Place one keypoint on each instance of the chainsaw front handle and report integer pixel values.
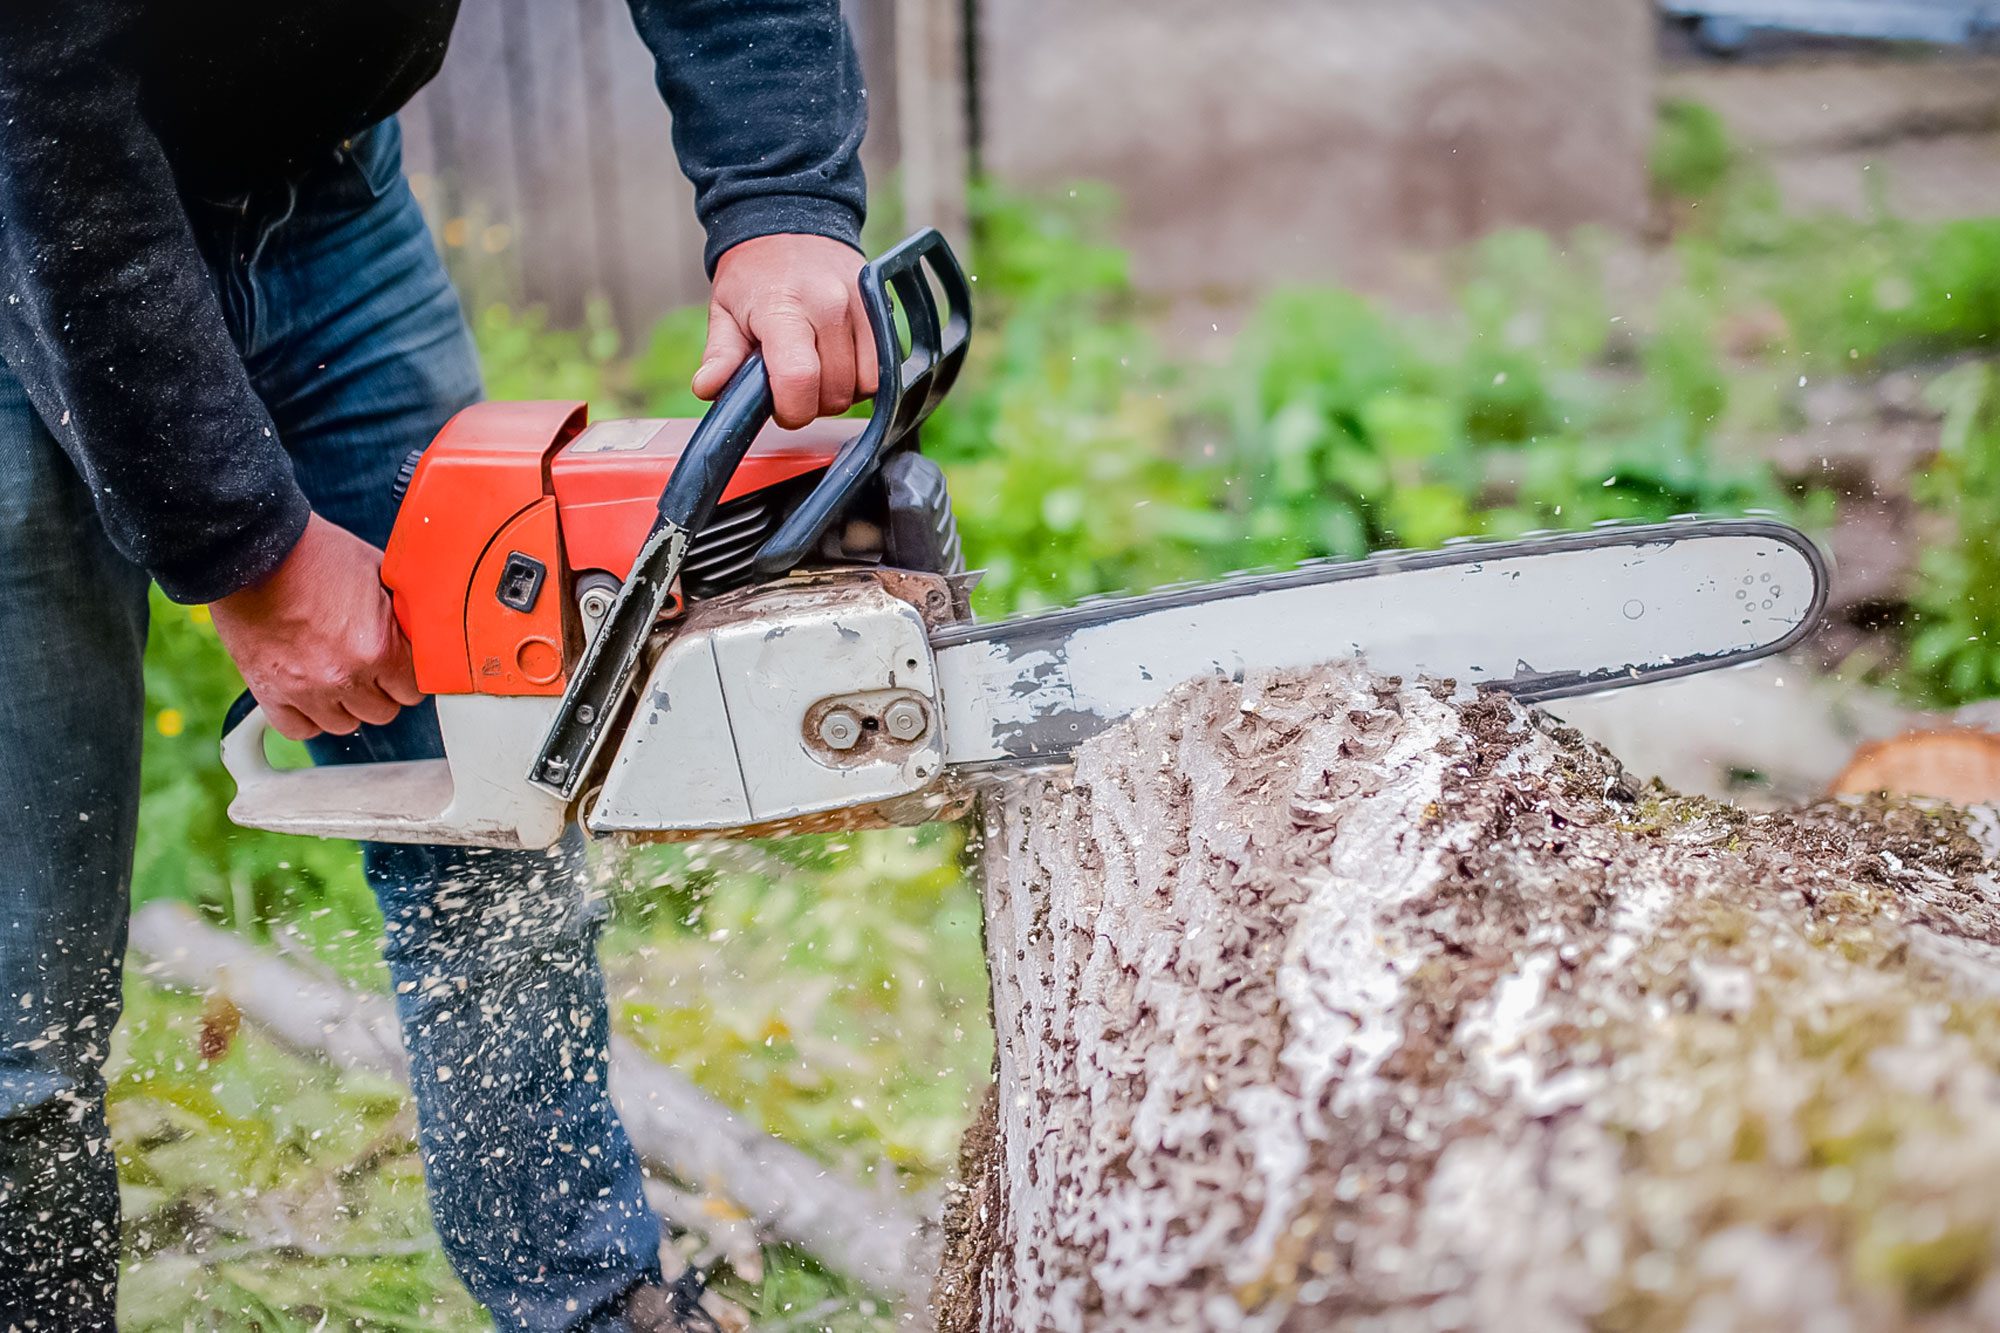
(912, 381)
(724, 435)
(910, 385)
(611, 657)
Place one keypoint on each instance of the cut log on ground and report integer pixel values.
(1959, 765)
(1770, 733)
(1329, 1002)
(860, 1232)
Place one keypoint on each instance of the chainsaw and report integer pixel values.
(677, 629)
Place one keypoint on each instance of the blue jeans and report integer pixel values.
(354, 339)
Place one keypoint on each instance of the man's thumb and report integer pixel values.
(726, 350)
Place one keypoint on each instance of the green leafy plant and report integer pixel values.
(264, 1192)
(520, 356)
(1064, 437)
(869, 1048)
(1955, 654)
(1886, 291)
(1693, 155)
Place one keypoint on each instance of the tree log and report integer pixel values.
(864, 1233)
(1327, 1001)
(1957, 764)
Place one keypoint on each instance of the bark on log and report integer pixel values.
(1329, 1002)
(861, 1232)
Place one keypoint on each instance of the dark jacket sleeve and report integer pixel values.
(108, 318)
(768, 110)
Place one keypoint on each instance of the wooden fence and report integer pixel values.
(1257, 142)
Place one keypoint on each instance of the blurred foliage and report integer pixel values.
(833, 988)
(1693, 156)
(1884, 291)
(265, 1192)
(522, 357)
(1955, 655)
(1068, 471)
(1087, 457)
(871, 1045)
(1854, 293)
(1829, 295)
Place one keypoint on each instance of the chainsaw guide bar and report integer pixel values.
(1542, 617)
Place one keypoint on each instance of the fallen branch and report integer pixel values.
(867, 1235)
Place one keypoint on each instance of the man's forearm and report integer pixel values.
(109, 319)
(769, 111)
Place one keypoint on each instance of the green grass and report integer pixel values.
(1955, 654)
(834, 984)
(1693, 156)
(834, 990)
(262, 1191)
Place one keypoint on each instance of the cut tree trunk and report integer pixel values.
(1325, 1001)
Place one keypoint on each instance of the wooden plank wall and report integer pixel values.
(1251, 143)
(1269, 141)
(542, 155)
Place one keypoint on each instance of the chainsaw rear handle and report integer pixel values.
(910, 383)
(476, 802)
(243, 730)
(258, 781)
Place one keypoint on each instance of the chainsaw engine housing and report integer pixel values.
(516, 509)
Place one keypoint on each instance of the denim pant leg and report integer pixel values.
(358, 345)
(73, 634)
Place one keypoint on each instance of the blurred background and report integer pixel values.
(1257, 282)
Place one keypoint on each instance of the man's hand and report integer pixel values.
(796, 299)
(317, 641)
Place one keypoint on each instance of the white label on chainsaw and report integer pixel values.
(616, 437)
(1543, 622)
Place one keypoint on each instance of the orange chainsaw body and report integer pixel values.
(511, 502)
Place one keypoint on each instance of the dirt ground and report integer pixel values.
(1844, 128)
